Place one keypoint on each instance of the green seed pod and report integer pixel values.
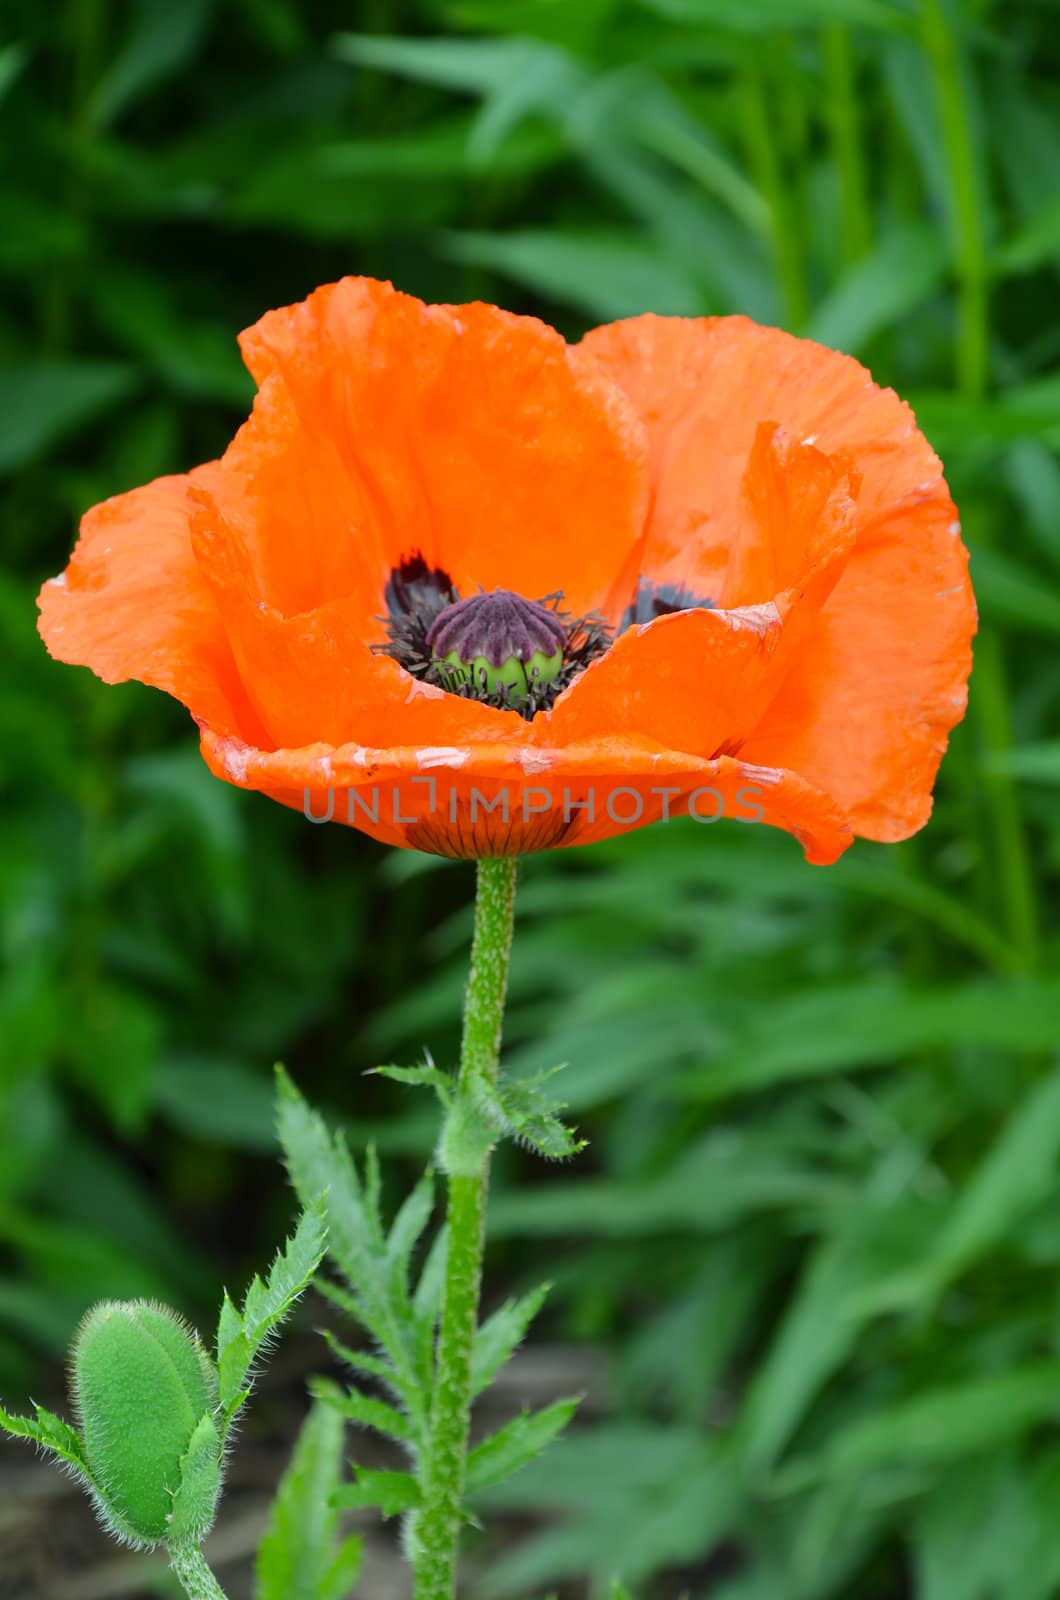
(500, 646)
(141, 1383)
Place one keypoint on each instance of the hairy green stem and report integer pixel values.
(438, 1525)
(196, 1579)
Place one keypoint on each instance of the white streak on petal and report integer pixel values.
(442, 756)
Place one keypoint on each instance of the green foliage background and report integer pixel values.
(815, 1232)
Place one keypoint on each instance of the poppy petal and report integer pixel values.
(702, 387)
(866, 711)
(313, 677)
(474, 436)
(701, 680)
(447, 799)
(131, 604)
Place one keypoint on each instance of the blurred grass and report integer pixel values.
(815, 1230)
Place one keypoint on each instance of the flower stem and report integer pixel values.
(196, 1579)
(438, 1525)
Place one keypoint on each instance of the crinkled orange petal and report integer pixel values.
(312, 677)
(867, 710)
(132, 604)
(701, 680)
(695, 681)
(307, 531)
(439, 798)
(875, 690)
(473, 435)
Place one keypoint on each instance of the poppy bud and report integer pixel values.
(498, 644)
(145, 1391)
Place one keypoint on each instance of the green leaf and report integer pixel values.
(478, 65)
(823, 1031)
(883, 289)
(242, 1334)
(42, 403)
(1011, 593)
(608, 274)
(500, 1334)
(375, 1268)
(363, 1409)
(1018, 1173)
(13, 59)
(268, 1302)
(766, 15)
(216, 1100)
(516, 1444)
(1035, 763)
(391, 1492)
(320, 1164)
(945, 1424)
(405, 1233)
(300, 1556)
(52, 1434)
(428, 1077)
(813, 1341)
(162, 39)
(1035, 243)
(519, 1108)
(195, 1500)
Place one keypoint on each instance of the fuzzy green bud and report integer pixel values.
(145, 1390)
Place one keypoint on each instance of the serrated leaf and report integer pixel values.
(267, 1303)
(500, 1334)
(520, 1109)
(427, 1301)
(390, 1492)
(297, 1558)
(407, 1228)
(356, 1239)
(363, 1409)
(430, 1077)
(517, 1443)
(319, 1164)
(232, 1368)
(360, 1360)
(229, 1325)
(51, 1433)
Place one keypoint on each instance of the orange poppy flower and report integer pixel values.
(477, 591)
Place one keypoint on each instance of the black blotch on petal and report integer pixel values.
(413, 586)
(661, 600)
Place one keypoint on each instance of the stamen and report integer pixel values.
(661, 600)
(500, 648)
